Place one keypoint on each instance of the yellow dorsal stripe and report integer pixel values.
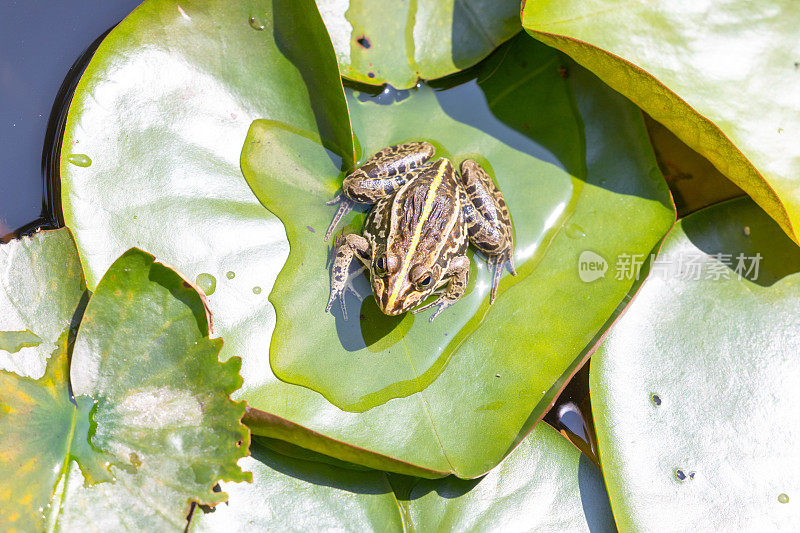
(426, 211)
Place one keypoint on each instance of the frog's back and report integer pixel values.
(426, 214)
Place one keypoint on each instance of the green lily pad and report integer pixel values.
(165, 177)
(545, 485)
(467, 384)
(383, 41)
(150, 428)
(722, 75)
(697, 425)
(41, 286)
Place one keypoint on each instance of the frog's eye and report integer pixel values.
(425, 283)
(381, 266)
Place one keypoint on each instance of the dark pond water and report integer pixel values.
(44, 47)
(40, 42)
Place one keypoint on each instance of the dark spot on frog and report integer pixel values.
(797, 64)
(187, 284)
(364, 42)
(310, 229)
(563, 72)
(371, 74)
(362, 316)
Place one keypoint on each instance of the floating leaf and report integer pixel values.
(545, 485)
(721, 74)
(469, 382)
(151, 427)
(697, 425)
(162, 111)
(382, 41)
(41, 286)
(175, 154)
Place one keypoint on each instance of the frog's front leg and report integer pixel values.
(488, 221)
(379, 177)
(347, 248)
(455, 288)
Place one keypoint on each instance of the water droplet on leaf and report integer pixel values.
(574, 231)
(207, 283)
(255, 24)
(80, 160)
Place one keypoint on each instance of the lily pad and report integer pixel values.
(41, 287)
(472, 383)
(150, 427)
(697, 425)
(384, 41)
(721, 74)
(165, 176)
(545, 485)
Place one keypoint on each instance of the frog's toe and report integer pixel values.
(342, 305)
(438, 311)
(441, 303)
(498, 264)
(345, 206)
(330, 302)
(509, 264)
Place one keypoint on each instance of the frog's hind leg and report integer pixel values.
(382, 175)
(488, 220)
(349, 247)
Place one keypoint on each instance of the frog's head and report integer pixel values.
(400, 287)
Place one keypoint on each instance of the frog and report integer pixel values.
(424, 214)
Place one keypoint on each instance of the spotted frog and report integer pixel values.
(415, 237)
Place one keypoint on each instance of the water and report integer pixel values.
(571, 414)
(44, 46)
